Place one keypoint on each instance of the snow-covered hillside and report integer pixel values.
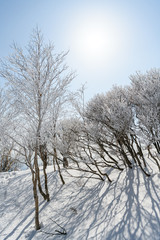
(126, 209)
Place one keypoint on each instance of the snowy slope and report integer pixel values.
(126, 209)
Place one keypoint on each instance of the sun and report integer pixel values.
(95, 39)
(91, 40)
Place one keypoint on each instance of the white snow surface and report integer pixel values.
(88, 209)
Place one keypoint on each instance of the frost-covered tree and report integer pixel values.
(145, 98)
(112, 117)
(60, 111)
(76, 146)
(36, 78)
(8, 160)
(110, 114)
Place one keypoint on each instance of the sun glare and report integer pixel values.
(91, 40)
(95, 39)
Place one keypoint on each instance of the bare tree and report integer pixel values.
(113, 116)
(7, 116)
(145, 99)
(37, 78)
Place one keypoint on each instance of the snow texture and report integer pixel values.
(126, 209)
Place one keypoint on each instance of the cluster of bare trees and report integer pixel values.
(116, 130)
(112, 131)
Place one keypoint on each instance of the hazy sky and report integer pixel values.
(108, 40)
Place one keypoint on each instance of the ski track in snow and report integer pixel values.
(126, 209)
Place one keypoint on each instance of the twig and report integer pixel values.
(63, 232)
(58, 232)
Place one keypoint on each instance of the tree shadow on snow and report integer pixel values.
(22, 215)
(126, 209)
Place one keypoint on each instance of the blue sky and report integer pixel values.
(108, 40)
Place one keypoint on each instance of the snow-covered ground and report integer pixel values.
(126, 209)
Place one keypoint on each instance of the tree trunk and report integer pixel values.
(39, 186)
(153, 157)
(124, 155)
(46, 184)
(54, 165)
(43, 155)
(59, 169)
(35, 194)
